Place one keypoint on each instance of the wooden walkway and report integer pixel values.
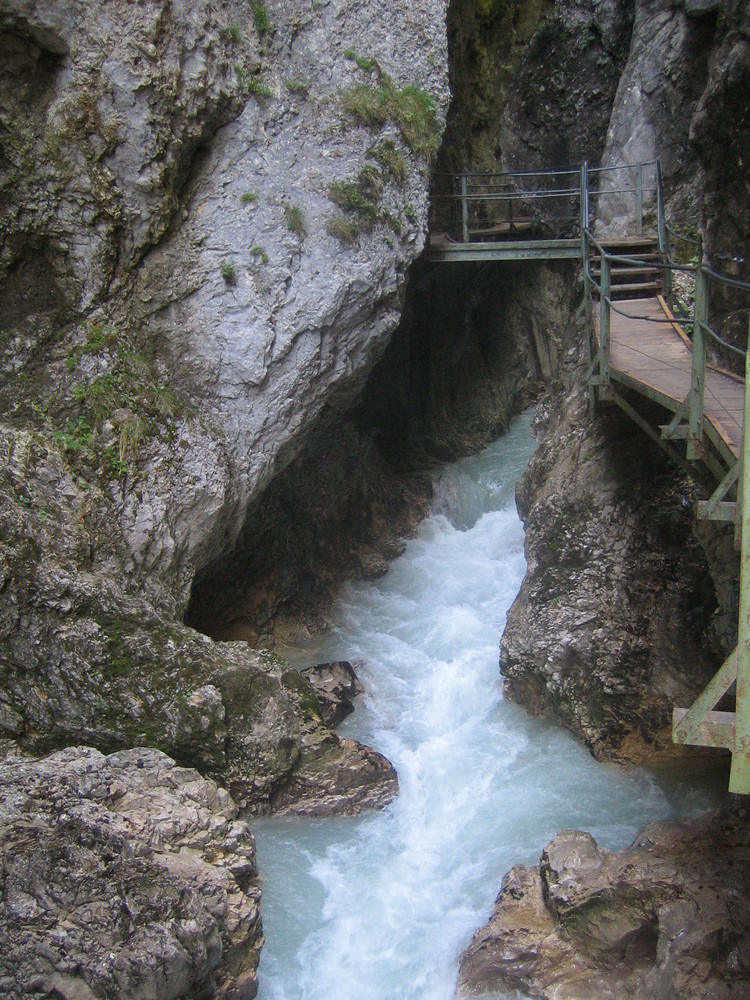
(654, 359)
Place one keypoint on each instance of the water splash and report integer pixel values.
(380, 907)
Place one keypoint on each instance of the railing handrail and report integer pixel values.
(623, 166)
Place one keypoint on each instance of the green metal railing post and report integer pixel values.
(464, 210)
(585, 247)
(695, 443)
(739, 775)
(604, 321)
(639, 198)
(664, 246)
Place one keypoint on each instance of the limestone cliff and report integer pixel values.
(206, 219)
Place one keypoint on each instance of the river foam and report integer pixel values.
(380, 907)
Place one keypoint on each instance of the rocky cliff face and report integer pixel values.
(124, 875)
(207, 215)
(618, 618)
(628, 608)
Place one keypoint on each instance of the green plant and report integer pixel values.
(234, 33)
(388, 156)
(346, 230)
(228, 272)
(76, 435)
(260, 253)
(261, 17)
(295, 220)
(410, 212)
(251, 80)
(132, 432)
(363, 62)
(410, 108)
(113, 466)
(349, 195)
(258, 88)
(248, 197)
(297, 86)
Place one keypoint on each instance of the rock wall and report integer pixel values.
(124, 873)
(208, 211)
(618, 618)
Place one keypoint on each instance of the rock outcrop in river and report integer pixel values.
(667, 917)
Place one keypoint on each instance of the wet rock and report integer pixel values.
(336, 776)
(124, 875)
(667, 917)
(617, 619)
(332, 775)
(335, 684)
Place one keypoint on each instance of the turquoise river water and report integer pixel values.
(379, 907)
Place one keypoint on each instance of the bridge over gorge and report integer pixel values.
(649, 298)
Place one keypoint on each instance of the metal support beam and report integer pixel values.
(686, 722)
(707, 508)
(637, 419)
(739, 776)
(675, 430)
(605, 314)
(696, 446)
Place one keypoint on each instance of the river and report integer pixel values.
(380, 907)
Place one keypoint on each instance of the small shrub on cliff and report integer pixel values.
(228, 272)
(363, 62)
(261, 17)
(295, 220)
(346, 230)
(410, 108)
(388, 156)
(297, 86)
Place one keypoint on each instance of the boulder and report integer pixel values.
(124, 875)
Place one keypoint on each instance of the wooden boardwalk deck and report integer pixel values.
(654, 358)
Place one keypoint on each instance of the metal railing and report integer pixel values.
(493, 206)
(481, 207)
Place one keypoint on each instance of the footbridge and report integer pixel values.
(652, 303)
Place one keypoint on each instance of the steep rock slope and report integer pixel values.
(208, 211)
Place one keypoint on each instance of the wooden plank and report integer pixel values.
(655, 359)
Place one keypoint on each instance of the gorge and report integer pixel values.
(225, 369)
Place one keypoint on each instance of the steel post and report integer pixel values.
(639, 198)
(604, 319)
(739, 776)
(695, 442)
(464, 210)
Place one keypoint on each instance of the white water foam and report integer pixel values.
(380, 907)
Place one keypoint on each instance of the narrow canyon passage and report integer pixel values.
(380, 907)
